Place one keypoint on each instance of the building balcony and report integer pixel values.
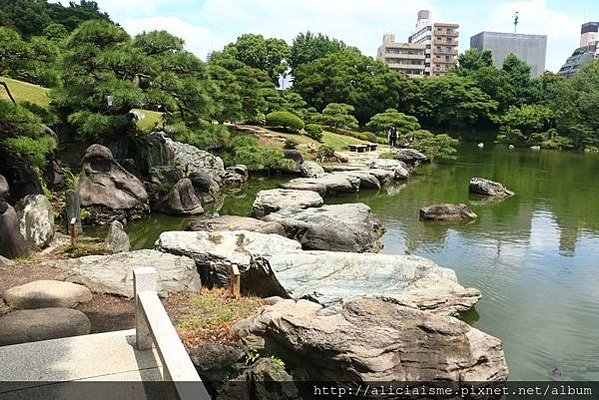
(402, 66)
(446, 52)
(446, 34)
(438, 42)
(441, 61)
(390, 55)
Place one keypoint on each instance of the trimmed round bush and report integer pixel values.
(285, 120)
(314, 131)
(290, 144)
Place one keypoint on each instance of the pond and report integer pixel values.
(534, 256)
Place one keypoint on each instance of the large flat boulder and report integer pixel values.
(325, 185)
(447, 212)
(12, 242)
(272, 200)
(42, 324)
(236, 223)
(367, 180)
(113, 274)
(398, 168)
(104, 182)
(371, 340)
(36, 220)
(216, 252)
(487, 187)
(341, 227)
(410, 156)
(330, 277)
(46, 293)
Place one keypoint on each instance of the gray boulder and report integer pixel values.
(180, 200)
(104, 182)
(5, 262)
(42, 324)
(447, 212)
(192, 160)
(384, 176)
(268, 380)
(325, 185)
(117, 240)
(369, 340)
(339, 227)
(113, 274)
(216, 252)
(272, 200)
(489, 188)
(311, 169)
(410, 156)
(4, 189)
(12, 242)
(398, 168)
(330, 277)
(367, 180)
(236, 175)
(46, 293)
(36, 220)
(236, 223)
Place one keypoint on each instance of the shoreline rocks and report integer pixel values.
(108, 190)
(325, 185)
(180, 200)
(328, 277)
(447, 212)
(117, 240)
(367, 340)
(235, 223)
(36, 220)
(487, 187)
(398, 168)
(410, 156)
(215, 253)
(340, 227)
(311, 169)
(273, 200)
(113, 274)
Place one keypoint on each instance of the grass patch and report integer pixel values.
(208, 316)
(23, 91)
(151, 119)
(339, 142)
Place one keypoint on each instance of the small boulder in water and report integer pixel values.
(447, 212)
(489, 188)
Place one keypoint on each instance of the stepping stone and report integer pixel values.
(42, 324)
(46, 293)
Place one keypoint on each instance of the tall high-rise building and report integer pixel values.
(588, 50)
(441, 43)
(530, 48)
(402, 57)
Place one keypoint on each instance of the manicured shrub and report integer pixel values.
(290, 144)
(314, 131)
(285, 120)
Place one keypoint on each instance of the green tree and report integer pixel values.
(308, 47)
(575, 102)
(454, 101)
(245, 149)
(380, 123)
(26, 135)
(473, 60)
(439, 146)
(268, 55)
(351, 78)
(338, 116)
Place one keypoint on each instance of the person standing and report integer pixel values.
(392, 136)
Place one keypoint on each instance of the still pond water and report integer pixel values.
(534, 256)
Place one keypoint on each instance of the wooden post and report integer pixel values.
(73, 231)
(73, 210)
(235, 281)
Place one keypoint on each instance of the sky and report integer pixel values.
(208, 25)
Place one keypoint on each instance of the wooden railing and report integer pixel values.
(154, 329)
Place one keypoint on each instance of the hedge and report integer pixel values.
(286, 120)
